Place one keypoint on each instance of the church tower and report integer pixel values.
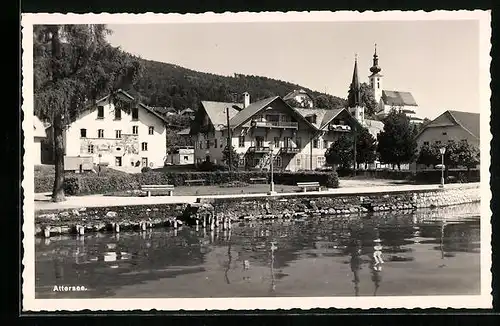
(354, 101)
(376, 77)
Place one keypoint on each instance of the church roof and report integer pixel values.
(397, 98)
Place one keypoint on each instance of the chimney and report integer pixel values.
(246, 101)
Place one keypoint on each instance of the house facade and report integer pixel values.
(298, 137)
(302, 97)
(181, 156)
(120, 134)
(451, 126)
(39, 136)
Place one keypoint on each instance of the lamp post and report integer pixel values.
(271, 190)
(442, 150)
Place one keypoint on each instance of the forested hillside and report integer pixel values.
(167, 85)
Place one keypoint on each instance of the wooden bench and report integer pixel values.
(255, 180)
(197, 181)
(305, 185)
(151, 188)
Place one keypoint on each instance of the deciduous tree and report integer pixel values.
(341, 152)
(73, 66)
(366, 147)
(226, 153)
(396, 142)
(367, 99)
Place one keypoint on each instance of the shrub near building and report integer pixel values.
(92, 184)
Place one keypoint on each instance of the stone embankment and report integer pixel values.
(221, 212)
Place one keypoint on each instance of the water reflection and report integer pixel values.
(297, 258)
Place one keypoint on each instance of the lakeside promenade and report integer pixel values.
(42, 200)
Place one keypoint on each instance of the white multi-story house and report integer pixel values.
(298, 137)
(124, 136)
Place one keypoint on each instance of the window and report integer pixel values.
(151, 130)
(201, 145)
(135, 114)
(215, 143)
(426, 143)
(444, 133)
(320, 161)
(276, 142)
(241, 161)
(118, 134)
(325, 144)
(83, 133)
(241, 141)
(100, 112)
(278, 161)
(144, 146)
(118, 114)
(438, 142)
(186, 158)
(298, 163)
(299, 142)
(90, 149)
(208, 144)
(378, 85)
(118, 160)
(100, 133)
(135, 130)
(315, 143)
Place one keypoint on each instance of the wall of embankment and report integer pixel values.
(141, 217)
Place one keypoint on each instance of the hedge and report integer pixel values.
(92, 184)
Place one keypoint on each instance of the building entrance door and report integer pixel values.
(118, 161)
(144, 161)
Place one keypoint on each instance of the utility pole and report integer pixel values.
(229, 145)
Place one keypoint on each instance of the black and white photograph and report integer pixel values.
(256, 161)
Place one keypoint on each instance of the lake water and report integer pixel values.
(430, 252)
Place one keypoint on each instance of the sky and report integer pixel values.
(437, 61)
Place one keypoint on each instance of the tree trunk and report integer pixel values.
(399, 166)
(58, 190)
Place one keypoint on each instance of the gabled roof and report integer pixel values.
(467, 120)
(397, 98)
(38, 128)
(293, 94)
(216, 112)
(142, 105)
(188, 110)
(320, 114)
(251, 110)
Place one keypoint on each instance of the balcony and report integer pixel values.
(259, 149)
(275, 124)
(340, 128)
(290, 150)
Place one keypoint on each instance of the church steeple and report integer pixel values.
(354, 99)
(355, 87)
(376, 77)
(375, 69)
